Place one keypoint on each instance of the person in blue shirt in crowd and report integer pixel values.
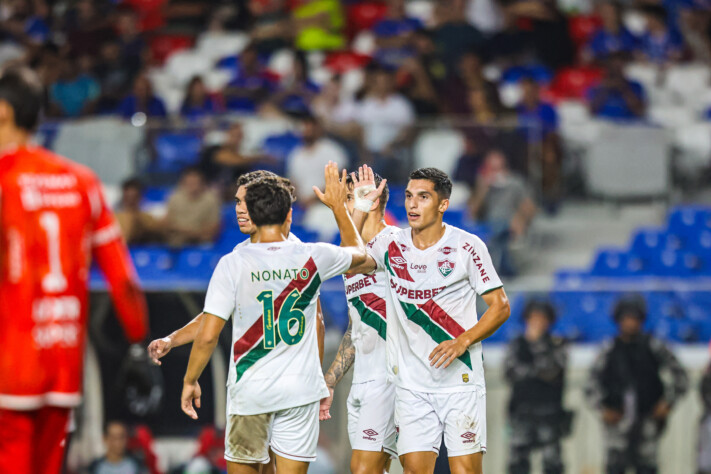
(393, 35)
(296, 89)
(660, 43)
(198, 103)
(617, 97)
(541, 122)
(142, 100)
(613, 37)
(74, 93)
(251, 85)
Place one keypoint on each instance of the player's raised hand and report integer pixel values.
(191, 391)
(335, 191)
(364, 186)
(445, 353)
(324, 409)
(158, 348)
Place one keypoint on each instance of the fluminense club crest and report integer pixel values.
(446, 267)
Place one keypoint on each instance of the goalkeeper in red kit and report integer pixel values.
(53, 221)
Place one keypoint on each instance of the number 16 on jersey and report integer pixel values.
(291, 321)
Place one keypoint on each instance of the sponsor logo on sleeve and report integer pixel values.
(446, 267)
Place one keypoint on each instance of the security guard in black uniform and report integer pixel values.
(627, 387)
(535, 367)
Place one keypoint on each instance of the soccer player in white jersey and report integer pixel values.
(434, 354)
(158, 348)
(269, 288)
(371, 402)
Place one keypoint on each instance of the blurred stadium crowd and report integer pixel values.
(505, 95)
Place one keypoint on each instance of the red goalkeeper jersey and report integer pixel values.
(53, 221)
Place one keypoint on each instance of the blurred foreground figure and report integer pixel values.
(704, 459)
(535, 367)
(626, 386)
(53, 220)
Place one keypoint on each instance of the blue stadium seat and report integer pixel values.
(152, 262)
(335, 308)
(197, 263)
(175, 151)
(697, 308)
(229, 237)
(229, 217)
(610, 262)
(304, 234)
(675, 264)
(156, 194)
(279, 147)
(652, 240)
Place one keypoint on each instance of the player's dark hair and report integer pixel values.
(442, 183)
(268, 202)
(254, 176)
(384, 196)
(21, 88)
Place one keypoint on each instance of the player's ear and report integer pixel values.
(6, 112)
(443, 205)
(376, 205)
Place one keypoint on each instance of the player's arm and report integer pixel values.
(185, 335)
(334, 196)
(340, 365)
(496, 315)
(111, 254)
(203, 347)
(320, 329)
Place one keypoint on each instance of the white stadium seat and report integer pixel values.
(183, 65)
(423, 10)
(671, 116)
(215, 45)
(694, 143)
(217, 79)
(688, 79)
(573, 111)
(645, 74)
(256, 130)
(439, 148)
(351, 82)
(281, 62)
(510, 94)
(364, 43)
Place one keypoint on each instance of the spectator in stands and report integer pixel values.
(142, 100)
(613, 37)
(627, 386)
(318, 25)
(386, 118)
(134, 49)
(696, 29)
(617, 97)
(659, 44)
(541, 121)
(271, 27)
(137, 226)
(225, 162)
(336, 112)
(88, 27)
(113, 76)
(535, 367)
(74, 93)
(394, 35)
(251, 85)
(502, 200)
(296, 90)
(454, 35)
(469, 75)
(193, 214)
(116, 459)
(315, 152)
(26, 23)
(198, 103)
(420, 76)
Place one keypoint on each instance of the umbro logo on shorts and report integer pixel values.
(369, 434)
(469, 437)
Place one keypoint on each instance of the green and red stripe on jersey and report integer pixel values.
(435, 321)
(371, 309)
(250, 347)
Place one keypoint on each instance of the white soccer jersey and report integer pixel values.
(270, 290)
(432, 298)
(247, 241)
(366, 308)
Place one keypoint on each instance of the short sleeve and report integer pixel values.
(482, 274)
(377, 249)
(331, 260)
(105, 228)
(220, 298)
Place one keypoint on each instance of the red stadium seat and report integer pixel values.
(150, 13)
(582, 27)
(363, 16)
(343, 61)
(573, 83)
(163, 46)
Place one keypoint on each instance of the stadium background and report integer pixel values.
(629, 213)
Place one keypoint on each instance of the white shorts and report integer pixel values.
(371, 426)
(291, 433)
(423, 418)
